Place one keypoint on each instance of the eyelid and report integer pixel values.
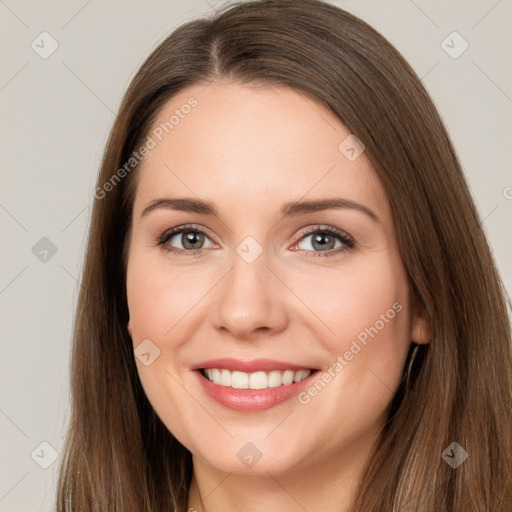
(324, 228)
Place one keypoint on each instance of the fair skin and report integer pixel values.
(249, 149)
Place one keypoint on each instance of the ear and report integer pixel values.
(129, 326)
(420, 332)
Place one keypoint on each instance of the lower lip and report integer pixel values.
(251, 399)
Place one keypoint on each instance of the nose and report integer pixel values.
(250, 300)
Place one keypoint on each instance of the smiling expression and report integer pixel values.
(258, 255)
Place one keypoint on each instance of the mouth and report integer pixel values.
(252, 386)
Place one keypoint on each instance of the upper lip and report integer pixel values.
(254, 365)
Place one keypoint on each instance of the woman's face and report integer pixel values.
(296, 275)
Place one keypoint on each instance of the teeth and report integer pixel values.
(225, 378)
(239, 380)
(288, 376)
(257, 380)
(274, 379)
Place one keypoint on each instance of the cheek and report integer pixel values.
(365, 317)
(160, 302)
(353, 298)
(160, 297)
(368, 310)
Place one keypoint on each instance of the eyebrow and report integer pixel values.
(290, 209)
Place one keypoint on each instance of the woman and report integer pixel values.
(288, 301)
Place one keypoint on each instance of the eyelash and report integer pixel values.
(347, 241)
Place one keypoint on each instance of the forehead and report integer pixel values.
(252, 144)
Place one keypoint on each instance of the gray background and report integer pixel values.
(56, 114)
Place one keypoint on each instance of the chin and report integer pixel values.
(245, 457)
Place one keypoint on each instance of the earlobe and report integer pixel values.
(420, 332)
(129, 327)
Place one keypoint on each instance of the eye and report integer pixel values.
(321, 241)
(324, 241)
(185, 239)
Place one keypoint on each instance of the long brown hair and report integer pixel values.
(119, 456)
